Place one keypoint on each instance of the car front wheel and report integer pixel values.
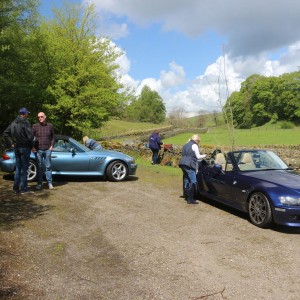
(117, 171)
(259, 209)
(32, 171)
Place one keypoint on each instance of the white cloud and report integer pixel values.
(251, 27)
(254, 29)
(113, 30)
(174, 77)
(209, 91)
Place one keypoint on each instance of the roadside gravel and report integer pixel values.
(91, 239)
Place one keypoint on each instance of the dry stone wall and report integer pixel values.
(171, 154)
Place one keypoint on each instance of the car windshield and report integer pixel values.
(66, 145)
(258, 160)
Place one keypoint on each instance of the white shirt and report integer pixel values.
(195, 148)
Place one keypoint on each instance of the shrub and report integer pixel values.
(286, 125)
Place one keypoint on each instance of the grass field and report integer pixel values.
(265, 135)
(243, 137)
(118, 127)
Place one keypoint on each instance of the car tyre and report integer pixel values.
(117, 171)
(259, 210)
(32, 171)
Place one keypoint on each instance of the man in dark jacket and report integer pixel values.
(189, 164)
(154, 145)
(19, 135)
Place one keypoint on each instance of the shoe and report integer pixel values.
(192, 202)
(50, 186)
(16, 191)
(39, 187)
(27, 192)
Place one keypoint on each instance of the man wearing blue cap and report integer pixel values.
(19, 135)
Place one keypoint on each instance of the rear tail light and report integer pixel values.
(5, 156)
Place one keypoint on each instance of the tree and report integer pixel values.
(148, 107)
(18, 18)
(83, 91)
(176, 117)
(263, 99)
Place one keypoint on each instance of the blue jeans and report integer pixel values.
(44, 157)
(189, 176)
(22, 163)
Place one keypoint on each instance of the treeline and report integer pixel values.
(61, 66)
(266, 99)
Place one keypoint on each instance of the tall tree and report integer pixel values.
(17, 19)
(84, 87)
(148, 107)
(262, 99)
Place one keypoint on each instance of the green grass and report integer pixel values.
(118, 127)
(269, 134)
(243, 137)
(142, 162)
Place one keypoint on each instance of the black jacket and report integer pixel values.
(19, 133)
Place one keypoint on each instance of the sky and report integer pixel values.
(195, 53)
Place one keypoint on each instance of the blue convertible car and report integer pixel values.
(254, 181)
(70, 157)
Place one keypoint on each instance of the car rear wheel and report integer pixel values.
(259, 209)
(117, 171)
(32, 171)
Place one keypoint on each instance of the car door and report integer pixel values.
(222, 184)
(230, 188)
(67, 159)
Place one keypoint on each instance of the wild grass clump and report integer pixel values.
(286, 125)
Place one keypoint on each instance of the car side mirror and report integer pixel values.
(73, 150)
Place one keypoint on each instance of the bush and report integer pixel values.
(286, 125)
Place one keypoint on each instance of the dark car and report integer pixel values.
(254, 181)
(70, 157)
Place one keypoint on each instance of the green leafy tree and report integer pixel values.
(83, 89)
(260, 116)
(18, 18)
(148, 107)
(263, 99)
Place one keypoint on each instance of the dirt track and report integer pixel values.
(138, 240)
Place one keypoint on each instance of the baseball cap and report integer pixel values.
(24, 111)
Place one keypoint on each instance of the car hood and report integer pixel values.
(285, 178)
(111, 153)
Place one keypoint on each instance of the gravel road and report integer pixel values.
(91, 239)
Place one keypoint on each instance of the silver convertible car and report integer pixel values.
(70, 157)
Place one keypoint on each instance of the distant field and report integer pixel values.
(266, 135)
(243, 137)
(118, 127)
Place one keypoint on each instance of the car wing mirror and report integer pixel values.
(73, 151)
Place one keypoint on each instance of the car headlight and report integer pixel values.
(287, 200)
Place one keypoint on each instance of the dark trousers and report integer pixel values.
(22, 164)
(154, 156)
(189, 183)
